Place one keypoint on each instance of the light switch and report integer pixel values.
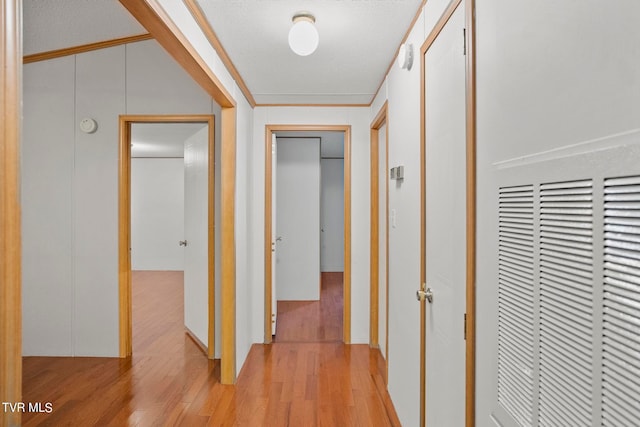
(393, 218)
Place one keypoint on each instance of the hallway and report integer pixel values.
(313, 321)
(168, 381)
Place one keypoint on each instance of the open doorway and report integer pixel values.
(167, 211)
(307, 239)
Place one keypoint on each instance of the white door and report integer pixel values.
(445, 225)
(274, 233)
(332, 215)
(196, 214)
(298, 219)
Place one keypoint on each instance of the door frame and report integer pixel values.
(470, 113)
(380, 120)
(10, 244)
(124, 225)
(270, 129)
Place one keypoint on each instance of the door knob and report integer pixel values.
(183, 243)
(422, 295)
(279, 239)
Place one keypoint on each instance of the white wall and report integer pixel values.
(69, 193)
(401, 90)
(157, 213)
(549, 86)
(358, 118)
(332, 214)
(246, 317)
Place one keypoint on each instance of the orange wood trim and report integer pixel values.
(423, 241)
(313, 105)
(386, 285)
(228, 246)
(374, 270)
(199, 16)
(395, 55)
(444, 18)
(58, 53)
(197, 342)
(211, 337)
(124, 236)
(470, 358)
(124, 222)
(153, 17)
(269, 130)
(10, 243)
(374, 254)
(268, 218)
(437, 29)
(346, 329)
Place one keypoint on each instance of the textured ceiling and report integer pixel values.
(358, 39)
(161, 139)
(57, 24)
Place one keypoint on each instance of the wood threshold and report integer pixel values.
(268, 309)
(58, 53)
(10, 244)
(203, 23)
(470, 120)
(124, 225)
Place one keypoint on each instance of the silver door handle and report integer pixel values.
(422, 295)
(183, 243)
(279, 239)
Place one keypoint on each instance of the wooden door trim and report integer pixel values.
(268, 203)
(124, 223)
(155, 19)
(470, 120)
(10, 244)
(381, 119)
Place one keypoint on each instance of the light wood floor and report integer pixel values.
(313, 321)
(168, 381)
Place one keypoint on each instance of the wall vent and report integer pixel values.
(515, 301)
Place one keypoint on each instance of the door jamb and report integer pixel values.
(10, 243)
(124, 224)
(374, 307)
(269, 130)
(470, 113)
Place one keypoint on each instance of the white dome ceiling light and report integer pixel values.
(303, 35)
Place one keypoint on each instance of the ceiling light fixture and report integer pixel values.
(303, 35)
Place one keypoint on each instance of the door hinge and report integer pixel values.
(465, 326)
(464, 42)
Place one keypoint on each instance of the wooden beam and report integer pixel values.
(10, 249)
(203, 23)
(153, 17)
(58, 53)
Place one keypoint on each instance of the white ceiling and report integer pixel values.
(358, 39)
(57, 24)
(161, 139)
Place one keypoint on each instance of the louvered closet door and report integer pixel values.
(515, 301)
(621, 317)
(568, 292)
(566, 304)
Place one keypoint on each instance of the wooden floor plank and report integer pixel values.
(168, 381)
